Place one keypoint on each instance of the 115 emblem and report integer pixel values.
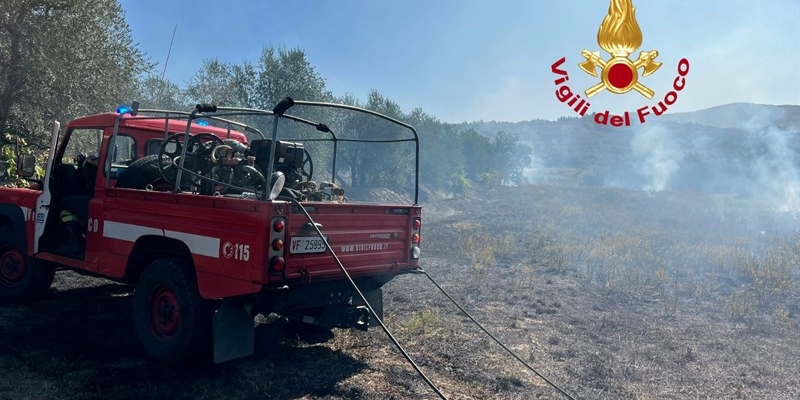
(236, 251)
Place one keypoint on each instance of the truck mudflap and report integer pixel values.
(233, 333)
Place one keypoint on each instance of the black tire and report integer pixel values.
(142, 172)
(172, 321)
(22, 277)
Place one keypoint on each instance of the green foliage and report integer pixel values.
(377, 165)
(489, 179)
(8, 161)
(459, 184)
(281, 73)
(157, 93)
(426, 322)
(494, 162)
(440, 156)
(509, 158)
(477, 153)
(277, 74)
(60, 59)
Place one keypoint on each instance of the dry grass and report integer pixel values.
(612, 294)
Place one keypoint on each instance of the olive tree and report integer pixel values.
(60, 59)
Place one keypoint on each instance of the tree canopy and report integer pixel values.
(60, 59)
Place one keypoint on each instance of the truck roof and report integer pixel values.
(156, 124)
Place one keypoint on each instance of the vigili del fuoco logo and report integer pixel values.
(619, 35)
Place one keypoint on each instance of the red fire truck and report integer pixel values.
(215, 222)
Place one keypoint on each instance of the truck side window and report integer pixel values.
(153, 146)
(124, 150)
(82, 142)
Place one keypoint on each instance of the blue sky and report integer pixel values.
(468, 60)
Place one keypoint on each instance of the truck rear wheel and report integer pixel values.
(21, 277)
(172, 321)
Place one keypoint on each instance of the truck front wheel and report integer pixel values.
(21, 277)
(172, 321)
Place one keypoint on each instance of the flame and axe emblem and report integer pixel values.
(619, 35)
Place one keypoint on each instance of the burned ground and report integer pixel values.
(612, 294)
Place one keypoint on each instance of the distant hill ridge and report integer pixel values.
(738, 114)
(740, 148)
(733, 115)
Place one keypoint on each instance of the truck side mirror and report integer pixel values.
(26, 165)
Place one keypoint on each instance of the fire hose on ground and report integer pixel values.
(394, 340)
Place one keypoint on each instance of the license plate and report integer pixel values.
(306, 244)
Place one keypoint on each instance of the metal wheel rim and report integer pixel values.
(165, 313)
(12, 268)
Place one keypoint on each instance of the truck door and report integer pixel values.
(122, 152)
(44, 200)
(71, 187)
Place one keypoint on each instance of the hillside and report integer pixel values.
(742, 149)
(736, 115)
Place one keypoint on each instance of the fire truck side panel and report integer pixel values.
(223, 236)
